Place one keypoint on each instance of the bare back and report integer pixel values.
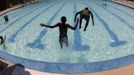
(63, 28)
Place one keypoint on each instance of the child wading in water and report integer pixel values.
(63, 28)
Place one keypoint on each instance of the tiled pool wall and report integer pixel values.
(70, 67)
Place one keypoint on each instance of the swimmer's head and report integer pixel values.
(63, 19)
(86, 8)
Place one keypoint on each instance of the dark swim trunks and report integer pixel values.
(64, 40)
(84, 16)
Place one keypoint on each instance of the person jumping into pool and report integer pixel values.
(84, 14)
(63, 28)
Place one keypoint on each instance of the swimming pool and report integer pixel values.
(109, 44)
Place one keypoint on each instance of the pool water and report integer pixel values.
(111, 37)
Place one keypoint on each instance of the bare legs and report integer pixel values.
(63, 40)
(61, 44)
(87, 21)
(80, 22)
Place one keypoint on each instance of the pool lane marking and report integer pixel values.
(69, 68)
(13, 36)
(31, 10)
(78, 46)
(20, 18)
(16, 13)
(39, 4)
(115, 40)
(25, 6)
(77, 36)
(121, 19)
(37, 42)
(121, 11)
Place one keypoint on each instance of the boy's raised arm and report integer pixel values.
(49, 26)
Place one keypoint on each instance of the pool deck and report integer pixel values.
(16, 7)
(10, 9)
(125, 3)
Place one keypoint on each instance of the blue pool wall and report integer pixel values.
(70, 68)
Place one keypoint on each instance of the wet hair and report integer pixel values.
(86, 8)
(63, 19)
